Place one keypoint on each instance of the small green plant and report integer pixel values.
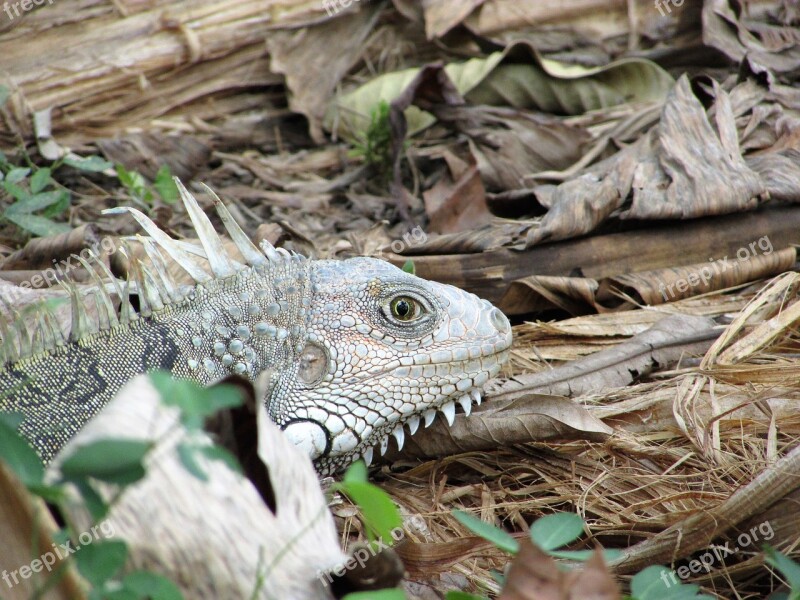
(141, 192)
(38, 198)
(788, 568)
(658, 583)
(376, 147)
(195, 404)
(380, 515)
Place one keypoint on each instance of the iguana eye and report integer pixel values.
(405, 309)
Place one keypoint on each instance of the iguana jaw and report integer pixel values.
(382, 373)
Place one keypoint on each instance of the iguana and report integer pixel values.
(351, 350)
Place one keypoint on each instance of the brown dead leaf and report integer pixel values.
(312, 71)
(698, 171)
(457, 202)
(739, 33)
(536, 576)
(442, 15)
(593, 581)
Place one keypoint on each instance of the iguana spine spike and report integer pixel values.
(102, 299)
(166, 242)
(217, 258)
(251, 254)
(166, 286)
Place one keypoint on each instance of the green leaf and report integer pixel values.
(92, 499)
(500, 538)
(98, 561)
(37, 225)
(390, 594)
(356, 472)
(187, 453)
(659, 583)
(18, 192)
(40, 180)
(165, 185)
(788, 568)
(380, 514)
(132, 180)
(409, 267)
(111, 460)
(34, 203)
(17, 174)
(58, 207)
(584, 555)
(456, 595)
(17, 453)
(90, 164)
(556, 530)
(144, 584)
(194, 402)
(54, 494)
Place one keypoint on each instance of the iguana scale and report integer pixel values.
(350, 351)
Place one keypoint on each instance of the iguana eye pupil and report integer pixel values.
(405, 309)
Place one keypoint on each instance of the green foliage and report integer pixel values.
(33, 191)
(38, 198)
(499, 537)
(379, 513)
(659, 583)
(788, 568)
(112, 461)
(376, 145)
(549, 533)
(195, 404)
(458, 595)
(408, 267)
(141, 191)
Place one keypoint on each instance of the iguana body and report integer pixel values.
(350, 351)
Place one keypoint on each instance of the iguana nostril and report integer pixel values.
(500, 321)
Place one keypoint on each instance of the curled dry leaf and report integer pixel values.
(516, 77)
(757, 35)
(536, 576)
(664, 343)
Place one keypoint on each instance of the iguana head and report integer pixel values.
(346, 353)
(384, 349)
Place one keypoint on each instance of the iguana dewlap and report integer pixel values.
(351, 351)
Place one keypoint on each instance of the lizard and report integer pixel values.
(350, 351)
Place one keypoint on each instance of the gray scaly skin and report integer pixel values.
(349, 352)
